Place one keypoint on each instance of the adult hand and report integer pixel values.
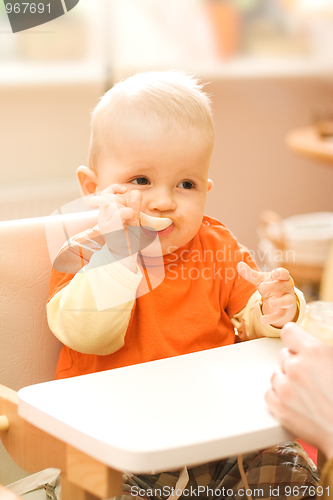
(278, 293)
(301, 397)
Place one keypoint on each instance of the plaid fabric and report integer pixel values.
(280, 473)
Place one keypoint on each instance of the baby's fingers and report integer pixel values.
(281, 274)
(114, 189)
(278, 307)
(135, 202)
(126, 214)
(117, 220)
(277, 287)
(252, 275)
(96, 201)
(274, 317)
(106, 200)
(284, 302)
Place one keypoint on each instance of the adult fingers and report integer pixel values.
(282, 412)
(297, 339)
(279, 382)
(284, 358)
(273, 402)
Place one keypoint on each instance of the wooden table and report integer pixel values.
(306, 141)
(161, 415)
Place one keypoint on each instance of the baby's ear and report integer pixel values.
(209, 185)
(87, 180)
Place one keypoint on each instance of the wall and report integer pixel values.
(44, 130)
(44, 134)
(251, 166)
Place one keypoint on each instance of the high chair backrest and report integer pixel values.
(28, 350)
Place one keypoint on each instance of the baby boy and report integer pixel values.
(127, 293)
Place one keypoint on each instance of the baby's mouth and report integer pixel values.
(156, 223)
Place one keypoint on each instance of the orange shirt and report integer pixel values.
(189, 311)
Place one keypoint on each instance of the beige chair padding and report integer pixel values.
(28, 350)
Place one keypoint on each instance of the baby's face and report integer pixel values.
(169, 168)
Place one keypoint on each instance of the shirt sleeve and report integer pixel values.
(248, 323)
(90, 311)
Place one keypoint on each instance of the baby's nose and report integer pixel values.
(161, 200)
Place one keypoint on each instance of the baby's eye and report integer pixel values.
(141, 181)
(186, 185)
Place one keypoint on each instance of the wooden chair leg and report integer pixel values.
(320, 460)
(84, 478)
(91, 475)
(28, 446)
(70, 491)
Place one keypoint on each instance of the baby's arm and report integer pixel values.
(275, 302)
(91, 313)
(75, 319)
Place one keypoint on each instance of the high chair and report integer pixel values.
(29, 351)
(90, 458)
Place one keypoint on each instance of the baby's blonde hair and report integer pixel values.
(164, 98)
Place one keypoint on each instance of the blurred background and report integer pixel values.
(268, 65)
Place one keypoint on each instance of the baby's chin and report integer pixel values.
(162, 246)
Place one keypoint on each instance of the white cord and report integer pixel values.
(243, 476)
(180, 485)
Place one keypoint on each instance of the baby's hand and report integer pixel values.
(116, 214)
(277, 290)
